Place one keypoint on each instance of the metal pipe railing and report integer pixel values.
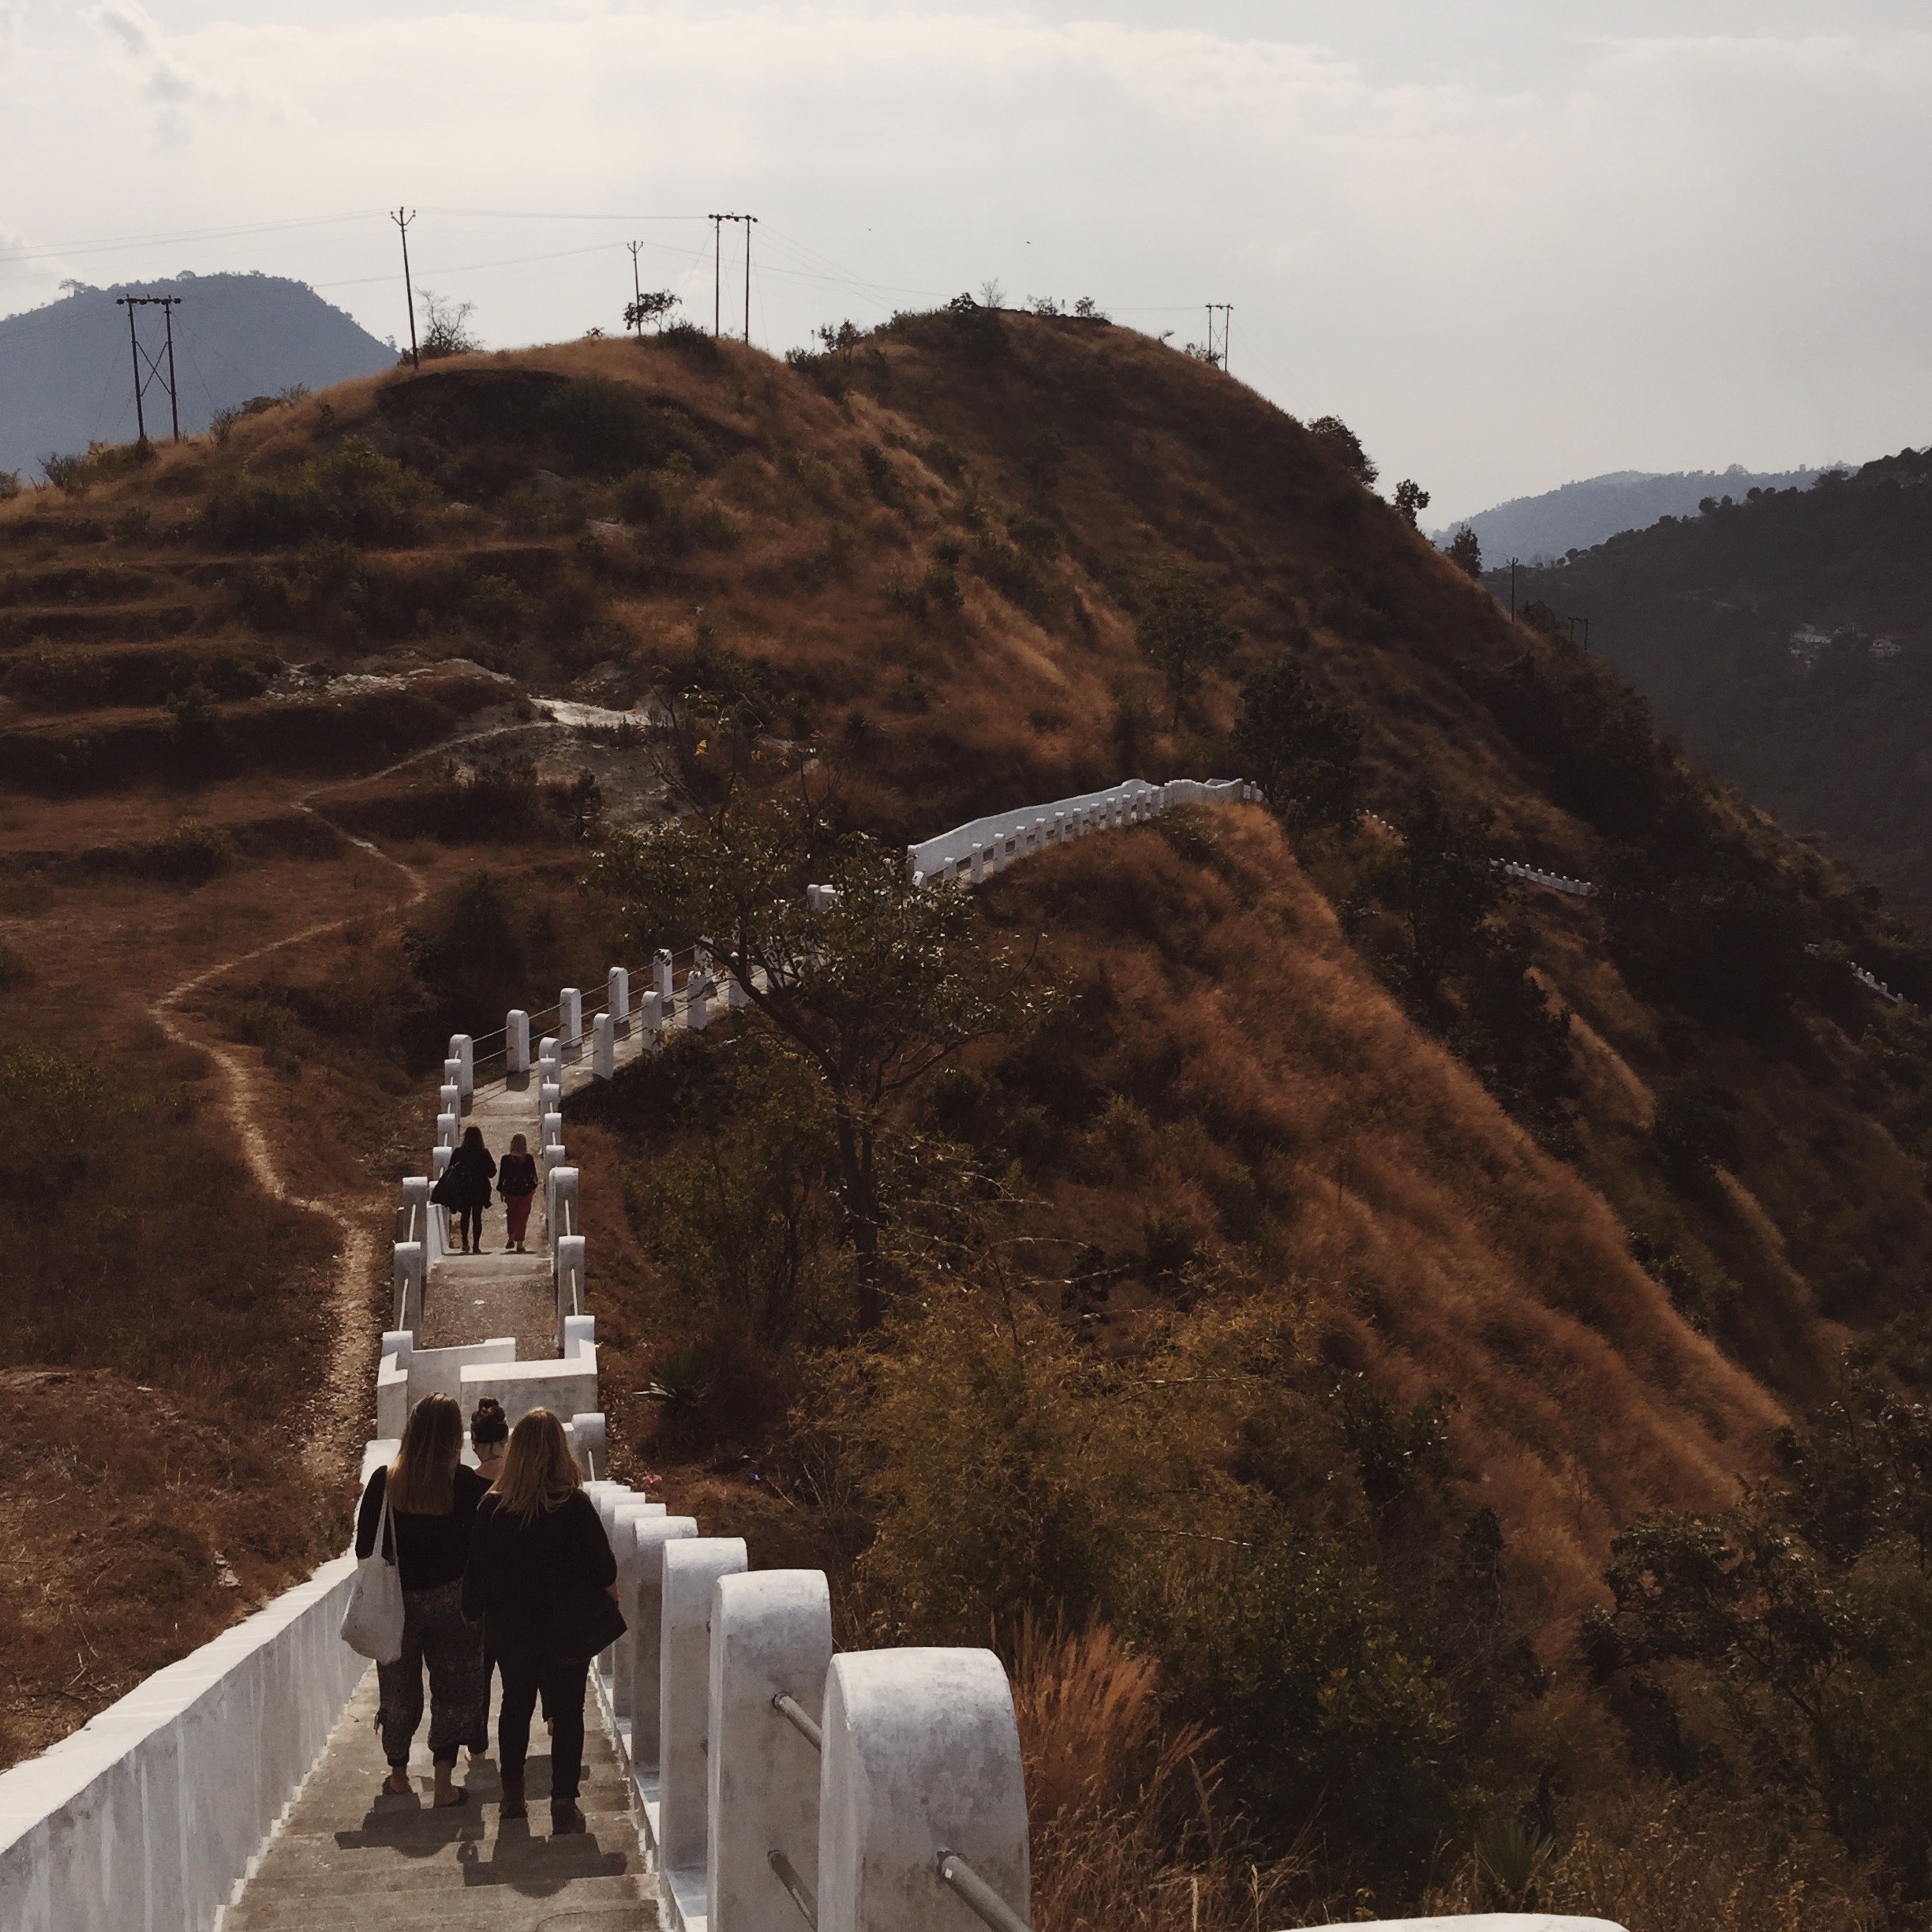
(794, 1713)
(954, 1871)
(800, 1891)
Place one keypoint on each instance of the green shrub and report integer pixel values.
(354, 495)
(192, 853)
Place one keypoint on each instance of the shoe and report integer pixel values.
(513, 1804)
(565, 1819)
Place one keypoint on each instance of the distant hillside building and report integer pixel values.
(1808, 645)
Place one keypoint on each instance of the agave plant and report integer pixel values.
(1512, 1857)
(682, 1383)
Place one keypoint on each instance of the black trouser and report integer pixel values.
(470, 1226)
(435, 1632)
(527, 1668)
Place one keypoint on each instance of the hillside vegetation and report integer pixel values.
(1786, 636)
(1271, 1310)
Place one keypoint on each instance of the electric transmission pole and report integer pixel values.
(165, 304)
(749, 220)
(403, 217)
(717, 269)
(1225, 309)
(637, 287)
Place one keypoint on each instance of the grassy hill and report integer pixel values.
(1786, 636)
(1310, 1301)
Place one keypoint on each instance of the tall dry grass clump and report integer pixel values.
(1126, 1834)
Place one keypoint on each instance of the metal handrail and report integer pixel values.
(794, 1713)
(800, 1891)
(954, 1871)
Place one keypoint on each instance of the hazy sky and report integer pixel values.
(1512, 241)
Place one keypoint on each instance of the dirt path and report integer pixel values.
(341, 1423)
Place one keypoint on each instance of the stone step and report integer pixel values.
(519, 1853)
(464, 1907)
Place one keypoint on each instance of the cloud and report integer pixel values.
(1655, 250)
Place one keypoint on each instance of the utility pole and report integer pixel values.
(637, 287)
(717, 269)
(403, 217)
(1512, 589)
(137, 354)
(749, 221)
(1226, 309)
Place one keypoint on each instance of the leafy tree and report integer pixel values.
(1465, 552)
(447, 331)
(652, 306)
(1411, 500)
(1439, 884)
(1341, 442)
(871, 994)
(1181, 630)
(1302, 751)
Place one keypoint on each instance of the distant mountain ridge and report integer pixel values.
(66, 374)
(1541, 529)
(1786, 636)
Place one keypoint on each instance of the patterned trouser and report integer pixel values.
(435, 1632)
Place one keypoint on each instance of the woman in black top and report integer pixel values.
(472, 1168)
(538, 1554)
(516, 1182)
(432, 1508)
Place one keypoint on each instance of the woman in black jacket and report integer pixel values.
(539, 1567)
(471, 1169)
(432, 1509)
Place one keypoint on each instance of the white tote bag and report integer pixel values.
(372, 1626)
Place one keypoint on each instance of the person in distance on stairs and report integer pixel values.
(542, 1577)
(465, 1187)
(432, 1510)
(516, 1182)
(489, 1436)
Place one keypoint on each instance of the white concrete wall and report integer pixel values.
(690, 1567)
(771, 1635)
(143, 1820)
(922, 1755)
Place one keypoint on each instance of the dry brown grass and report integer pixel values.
(1439, 1247)
(1125, 1832)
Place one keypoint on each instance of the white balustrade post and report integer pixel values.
(736, 996)
(448, 1126)
(463, 1051)
(642, 1585)
(650, 1018)
(548, 1051)
(632, 1511)
(663, 977)
(559, 1196)
(550, 1096)
(691, 1568)
(516, 1043)
(771, 1637)
(589, 1440)
(570, 1278)
(407, 1272)
(416, 1207)
(922, 1756)
(449, 1100)
(550, 1129)
(617, 998)
(697, 1001)
(570, 1022)
(979, 864)
(602, 1047)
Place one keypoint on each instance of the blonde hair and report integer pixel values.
(422, 1479)
(538, 1471)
